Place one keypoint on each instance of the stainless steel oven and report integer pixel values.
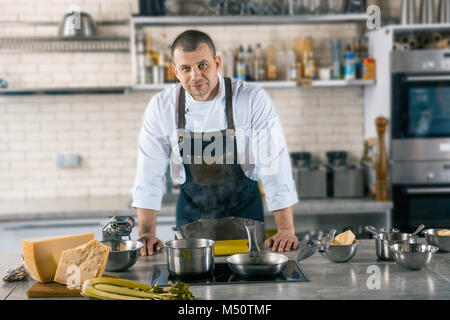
(420, 138)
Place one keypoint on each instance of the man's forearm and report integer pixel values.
(147, 221)
(284, 219)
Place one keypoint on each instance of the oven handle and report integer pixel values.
(427, 190)
(427, 78)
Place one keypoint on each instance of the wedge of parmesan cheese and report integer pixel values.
(82, 263)
(42, 255)
(443, 232)
(344, 239)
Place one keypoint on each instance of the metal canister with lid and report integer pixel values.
(311, 180)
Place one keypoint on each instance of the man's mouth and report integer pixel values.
(198, 86)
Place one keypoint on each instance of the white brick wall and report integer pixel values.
(104, 133)
(103, 129)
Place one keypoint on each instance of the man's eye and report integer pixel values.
(185, 68)
(202, 65)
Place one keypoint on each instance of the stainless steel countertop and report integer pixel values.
(346, 281)
(102, 207)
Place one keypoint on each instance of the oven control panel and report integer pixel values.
(417, 61)
(426, 172)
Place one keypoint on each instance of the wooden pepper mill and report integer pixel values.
(381, 162)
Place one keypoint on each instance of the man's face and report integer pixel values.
(197, 71)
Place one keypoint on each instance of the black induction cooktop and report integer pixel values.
(223, 275)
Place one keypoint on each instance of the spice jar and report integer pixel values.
(368, 68)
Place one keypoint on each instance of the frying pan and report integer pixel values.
(256, 263)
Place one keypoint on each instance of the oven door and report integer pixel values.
(417, 204)
(421, 117)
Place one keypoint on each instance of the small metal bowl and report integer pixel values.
(442, 242)
(339, 254)
(123, 254)
(413, 256)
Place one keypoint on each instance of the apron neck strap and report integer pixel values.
(228, 106)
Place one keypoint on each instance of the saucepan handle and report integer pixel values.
(372, 230)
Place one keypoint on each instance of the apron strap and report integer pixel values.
(229, 103)
(181, 109)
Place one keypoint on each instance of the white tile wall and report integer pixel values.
(103, 129)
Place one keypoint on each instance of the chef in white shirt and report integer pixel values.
(219, 135)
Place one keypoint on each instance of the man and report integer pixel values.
(190, 124)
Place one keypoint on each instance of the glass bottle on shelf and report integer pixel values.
(249, 65)
(309, 62)
(240, 64)
(259, 67)
(140, 50)
(271, 63)
(149, 63)
(291, 66)
(281, 64)
(349, 64)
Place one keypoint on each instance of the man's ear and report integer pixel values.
(175, 70)
(218, 62)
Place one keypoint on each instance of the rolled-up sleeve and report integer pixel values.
(152, 161)
(270, 153)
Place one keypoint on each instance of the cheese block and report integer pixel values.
(344, 239)
(82, 263)
(42, 255)
(443, 232)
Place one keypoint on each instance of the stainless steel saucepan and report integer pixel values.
(190, 257)
(256, 263)
(383, 241)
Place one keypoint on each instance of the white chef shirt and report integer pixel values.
(260, 142)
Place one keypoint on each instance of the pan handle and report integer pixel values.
(178, 233)
(254, 249)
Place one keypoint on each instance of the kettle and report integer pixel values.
(77, 24)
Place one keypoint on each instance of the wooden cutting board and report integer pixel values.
(57, 290)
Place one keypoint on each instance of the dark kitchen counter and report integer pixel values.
(328, 280)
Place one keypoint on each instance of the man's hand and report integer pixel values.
(283, 240)
(147, 231)
(151, 244)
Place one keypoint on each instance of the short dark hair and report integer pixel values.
(189, 41)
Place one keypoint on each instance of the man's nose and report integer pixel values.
(195, 73)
